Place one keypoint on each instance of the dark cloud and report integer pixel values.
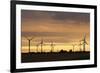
(50, 34)
(33, 15)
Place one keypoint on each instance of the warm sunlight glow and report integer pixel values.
(43, 31)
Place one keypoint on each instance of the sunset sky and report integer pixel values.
(64, 28)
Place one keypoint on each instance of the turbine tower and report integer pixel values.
(73, 46)
(52, 47)
(37, 47)
(29, 42)
(41, 43)
(80, 45)
(84, 42)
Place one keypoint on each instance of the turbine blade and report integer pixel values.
(26, 38)
(31, 38)
(86, 42)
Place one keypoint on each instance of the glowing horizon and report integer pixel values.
(25, 49)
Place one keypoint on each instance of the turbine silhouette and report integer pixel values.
(79, 45)
(29, 42)
(73, 46)
(52, 46)
(84, 42)
(37, 47)
(41, 43)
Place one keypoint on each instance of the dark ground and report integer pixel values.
(60, 56)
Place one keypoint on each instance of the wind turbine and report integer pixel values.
(37, 47)
(29, 42)
(80, 45)
(84, 42)
(73, 46)
(52, 46)
(41, 43)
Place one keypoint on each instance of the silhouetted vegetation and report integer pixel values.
(54, 56)
(63, 51)
(70, 50)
